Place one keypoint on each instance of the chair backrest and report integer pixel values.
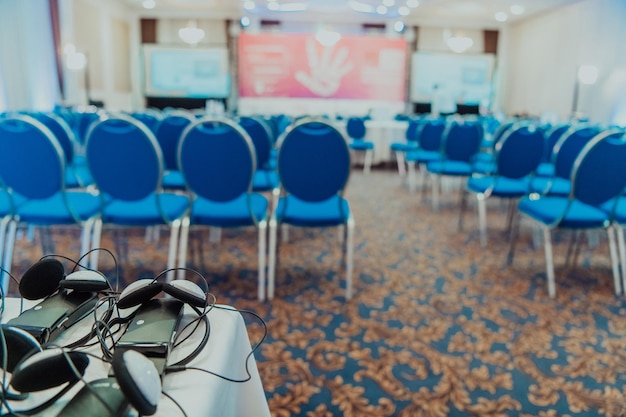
(217, 159)
(501, 130)
(168, 133)
(31, 161)
(412, 130)
(355, 128)
(431, 133)
(599, 172)
(84, 120)
(149, 117)
(124, 158)
(261, 136)
(313, 160)
(61, 131)
(552, 137)
(519, 151)
(461, 141)
(568, 148)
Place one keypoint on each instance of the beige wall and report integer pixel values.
(545, 52)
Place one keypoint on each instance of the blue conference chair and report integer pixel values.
(127, 166)
(597, 178)
(429, 139)
(149, 117)
(312, 192)
(565, 152)
(546, 167)
(32, 167)
(265, 177)
(411, 144)
(356, 131)
(461, 142)
(168, 132)
(517, 155)
(218, 161)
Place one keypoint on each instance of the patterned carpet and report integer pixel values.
(437, 326)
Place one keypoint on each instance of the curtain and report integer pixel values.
(28, 73)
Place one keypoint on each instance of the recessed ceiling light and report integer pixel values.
(501, 17)
(412, 3)
(357, 6)
(517, 9)
(249, 5)
(381, 9)
(404, 11)
(148, 4)
(273, 6)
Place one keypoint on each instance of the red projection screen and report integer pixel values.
(298, 66)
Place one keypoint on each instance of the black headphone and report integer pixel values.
(47, 276)
(135, 374)
(143, 290)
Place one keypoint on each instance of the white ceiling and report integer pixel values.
(468, 13)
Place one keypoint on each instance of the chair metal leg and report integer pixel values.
(513, 238)
(271, 269)
(436, 184)
(400, 161)
(262, 253)
(614, 262)
(411, 176)
(549, 262)
(85, 238)
(349, 257)
(4, 281)
(622, 254)
(367, 163)
(182, 246)
(482, 218)
(171, 257)
(96, 235)
(8, 255)
(462, 206)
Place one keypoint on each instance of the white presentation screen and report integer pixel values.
(186, 72)
(467, 78)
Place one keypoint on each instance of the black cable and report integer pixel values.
(182, 410)
(2, 270)
(5, 358)
(117, 266)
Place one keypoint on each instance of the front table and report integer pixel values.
(199, 393)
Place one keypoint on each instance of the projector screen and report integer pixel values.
(186, 72)
(467, 78)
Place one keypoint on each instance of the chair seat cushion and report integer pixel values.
(619, 215)
(53, 210)
(404, 147)
(499, 186)
(173, 180)
(146, 212)
(548, 210)
(552, 186)
(545, 169)
(265, 180)
(332, 212)
(234, 213)
(484, 167)
(423, 156)
(452, 168)
(361, 145)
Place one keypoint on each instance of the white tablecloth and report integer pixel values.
(199, 393)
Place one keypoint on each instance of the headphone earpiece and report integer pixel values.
(138, 380)
(85, 280)
(19, 344)
(143, 290)
(41, 279)
(186, 291)
(47, 369)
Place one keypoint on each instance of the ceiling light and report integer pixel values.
(357, 6)
(404, 11)
(292, 7)
(412, 3)
(381, 9)
(389, 3)
(398, 26)
(517, 9)
(501, 17)
(273, 6)
(191, 34)
(249, 5)
(459, 43)
(245, 21)
(148, 4)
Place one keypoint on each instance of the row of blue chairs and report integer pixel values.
(217, 162)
